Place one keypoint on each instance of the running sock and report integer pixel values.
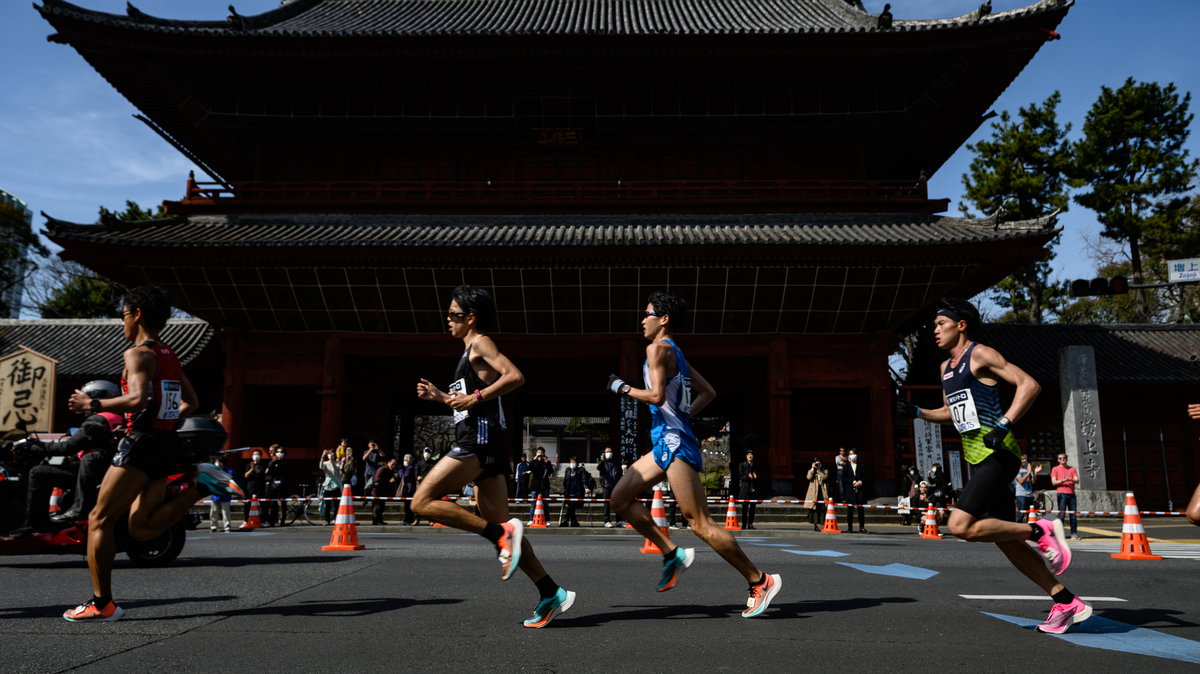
(546, 586)
(1036, 533)
(1063, 596)
(668, 556)
(761, 581)
(492, 532)
(101, 602)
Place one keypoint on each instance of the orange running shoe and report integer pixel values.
(760, 596)
(90, 613)
(510, 547)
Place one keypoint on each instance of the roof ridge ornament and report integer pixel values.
(884, 20)
(984, 10)
(236, 21)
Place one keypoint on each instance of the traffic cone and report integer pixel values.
(1134, 544)
(55, 497)
(731, 520)
(1029, 518)
(345, 531)
(831, 525)
(539, 514)
(658, 511)
(930, 530)
(254, 519)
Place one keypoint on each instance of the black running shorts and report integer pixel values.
(493, 458)
(154, 453)
(989, 492)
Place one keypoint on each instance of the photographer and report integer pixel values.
(940, 490)
(331, 485)
(540, 470)
(275, 473)
(256, 482)
(85, 456)
(818, 493)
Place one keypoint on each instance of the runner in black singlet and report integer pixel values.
(984, 512)
(480, 455)
(156, 394)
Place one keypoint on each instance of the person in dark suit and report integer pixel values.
(856, 477)
(748, 485)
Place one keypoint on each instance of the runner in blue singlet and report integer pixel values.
(674, 391)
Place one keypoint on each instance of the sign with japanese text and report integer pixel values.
(1183, 270)
(27, 391)
(956, 476)
(927, 438)
(628, 428)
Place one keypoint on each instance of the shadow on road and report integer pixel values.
(317, 608)
(777, 611)
(1156, 618)
(57, 611)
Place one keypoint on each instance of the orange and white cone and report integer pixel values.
(731, 518)
(345, 531)
(1134, 544)
(539, 514)
(254, 519)
(55, 496)
(831, 525)
(658, 511)
(1031, 516)
(930, 530)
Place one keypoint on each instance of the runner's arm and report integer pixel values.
(1027, 388)
(138, 365)
(703, 392)
(657, 354)
(509, 380)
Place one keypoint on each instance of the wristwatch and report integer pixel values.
(1004, 421)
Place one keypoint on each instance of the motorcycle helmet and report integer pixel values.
(100, 389)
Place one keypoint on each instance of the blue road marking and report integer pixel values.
(772, 545)
(897, 570)
(198, 538)
(258, 533)
(819, 553)
(1110, 635)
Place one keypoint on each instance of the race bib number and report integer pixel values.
(170, 397)
(963, 414)
(458, 388)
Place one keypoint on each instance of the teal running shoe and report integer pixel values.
(217, 481)
(550, 607)
(674, 568)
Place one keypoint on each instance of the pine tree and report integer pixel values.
(1021, 171)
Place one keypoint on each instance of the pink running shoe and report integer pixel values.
(1062, 616)
(1053, 545)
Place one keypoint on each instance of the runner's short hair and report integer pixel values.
(959, 310)
(671, 305)
(154, 303)
(479, 302)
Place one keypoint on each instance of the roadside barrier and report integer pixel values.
(831, 524)
(345, 530)
(731, 518)
(658, 511)
(1134, 544)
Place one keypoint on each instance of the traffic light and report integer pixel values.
(1099, 287)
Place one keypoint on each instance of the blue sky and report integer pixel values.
(68, 142)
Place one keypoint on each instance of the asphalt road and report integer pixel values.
(430, 600)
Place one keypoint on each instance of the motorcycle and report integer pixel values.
(200, 438)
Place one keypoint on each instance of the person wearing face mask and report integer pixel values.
(521, 478)
(424, 464)
(407, 478)
(577, 484)
(939, 490)
(748, 483)
(610, 474)
(256, 482)
(539, 479)
(331, 485)
(856, 475)
(276, 489)
(385, 484)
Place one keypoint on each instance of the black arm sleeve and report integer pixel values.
(93, 433)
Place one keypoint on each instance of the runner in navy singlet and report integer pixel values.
(480, 454)
(675, 392)
(984, 512)
(156, 394)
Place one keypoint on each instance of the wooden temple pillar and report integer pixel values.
(233, 390)
(779, 404)
(333, 380)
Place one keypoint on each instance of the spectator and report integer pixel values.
(385, 484)
(349, 469)
(577, 484)
(276, 473)
(610, 474)
(920, 503)
(912, 478)
(839, 463)
(940, 491)
(256, 482)
(521, 478)
(540, 469)
(424, 464)
(1064, 477)
(331, 485)
(1023, 487)
(219, 516)
(372, 459)
(748, 484)
(408, 486)
(818, 493)
(1193, 508)
(856, 475)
